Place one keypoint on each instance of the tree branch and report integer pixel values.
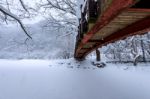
(23, 5)
(8, 13)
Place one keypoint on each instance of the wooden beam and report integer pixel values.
(116, 7)
(95, 41)
(135, 28)
(138, 10)
(140, 27)
(111, 12)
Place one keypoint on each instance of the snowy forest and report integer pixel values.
(44, 52)
(40, 29)
(46, 29)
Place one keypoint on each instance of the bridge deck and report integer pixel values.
(114, 25)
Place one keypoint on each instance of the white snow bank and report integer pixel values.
(69, 79)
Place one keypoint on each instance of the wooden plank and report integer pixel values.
(96, 41)
(116, 7)
(138, 10)
(112, 11)
(115, 25)
(135, 14)
(130, 30)
(139, 27)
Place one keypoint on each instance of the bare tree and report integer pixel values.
(9, 11)
(60, 13)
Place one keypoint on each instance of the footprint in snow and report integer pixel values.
(50, 65)
(61, 63)
(84, 67)
(70, 67)
(68, 63)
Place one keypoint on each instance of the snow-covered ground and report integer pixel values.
(69, 79)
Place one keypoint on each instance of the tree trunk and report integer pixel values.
(143, 51)
(136, 60)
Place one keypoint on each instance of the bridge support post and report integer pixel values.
(98, 57)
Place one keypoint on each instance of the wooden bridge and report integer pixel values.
(106, 21)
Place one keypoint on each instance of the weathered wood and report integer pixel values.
(117, 22)
(139, 27)
(114, 9)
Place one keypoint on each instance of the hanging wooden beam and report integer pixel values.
(116, 7)
(140, 27)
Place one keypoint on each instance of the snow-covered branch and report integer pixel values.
(8, 13)
(23, 5)
(62, 5)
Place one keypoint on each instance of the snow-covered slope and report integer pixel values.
(68, 79)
